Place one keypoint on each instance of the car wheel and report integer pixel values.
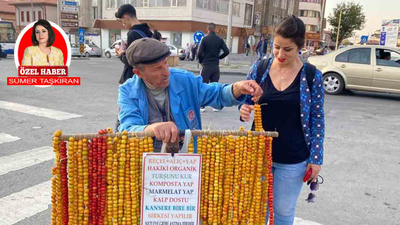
(333, 83)
(108, 55)
(87, 54)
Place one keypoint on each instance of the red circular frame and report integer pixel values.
(26, 41)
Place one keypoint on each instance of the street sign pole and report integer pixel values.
(81, 33)
(252, 41)
(228, 35)
(197, 37)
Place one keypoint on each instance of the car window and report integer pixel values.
(360, 55)
(385, 57)
(171, 47)
(343, 57)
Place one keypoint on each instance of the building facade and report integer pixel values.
(267, 15)
(178, 20)
(7, 11)
(27, 12)
(312, 13)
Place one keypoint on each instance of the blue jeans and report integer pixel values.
(288, 180)
(260, 55)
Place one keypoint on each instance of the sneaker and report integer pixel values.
(215, 110)
(202, 109)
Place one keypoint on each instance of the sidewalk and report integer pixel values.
(239, 64)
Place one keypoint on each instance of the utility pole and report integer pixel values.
(229, 33)
(338, 31)
(31, 10)
(58, 13)
(322, 15)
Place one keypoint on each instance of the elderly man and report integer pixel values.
(162, 99)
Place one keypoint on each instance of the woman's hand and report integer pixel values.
(245, 112)
(315, 171)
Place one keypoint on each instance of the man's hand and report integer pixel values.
(245, 112)
(247, 87)
(165, 131)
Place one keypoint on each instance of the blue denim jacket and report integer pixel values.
(311, 110)
(187, 94)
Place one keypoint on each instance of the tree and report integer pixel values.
(346, 42)
(353, 19)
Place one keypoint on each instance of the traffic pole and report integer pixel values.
(228, 35)
(337, 35)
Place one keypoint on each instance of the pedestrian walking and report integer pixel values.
(162, 100)
(127, 14)
(187, 52)
(292, 104)
(209, 56)
(247, 47)
(261, 48)
(193, 51)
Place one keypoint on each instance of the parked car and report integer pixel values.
(174, 49)
(305, 54)
(92, 50)
(75, 50)
(367, 68)
(111, 50)
(182, 54)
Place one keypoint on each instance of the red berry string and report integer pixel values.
(91, 160)
(102, 172)
(64, 182)
(270, 181)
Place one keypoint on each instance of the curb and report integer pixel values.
(221, 72)
(80, 58)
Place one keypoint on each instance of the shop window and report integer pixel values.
(236, 9)
(110, 4)
(248, 14)
(114, 35)
(177, 39)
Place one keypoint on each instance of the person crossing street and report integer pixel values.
(209, 56)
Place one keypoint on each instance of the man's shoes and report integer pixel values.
(202, 109)
(215, 110)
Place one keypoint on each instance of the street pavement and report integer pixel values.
(361, 157)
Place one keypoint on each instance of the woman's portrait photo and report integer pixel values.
(42, 53)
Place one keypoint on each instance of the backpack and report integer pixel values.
(310, 72)
(141, 33)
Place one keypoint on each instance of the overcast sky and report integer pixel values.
(375, 11)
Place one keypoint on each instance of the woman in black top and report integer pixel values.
(295, 110)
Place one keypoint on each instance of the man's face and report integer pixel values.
(157, 74)
(124, 19)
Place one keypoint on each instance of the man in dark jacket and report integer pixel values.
(209, 56)
(127, 14)
(262, 48)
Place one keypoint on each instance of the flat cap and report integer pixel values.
(125, 8)
(147, 51)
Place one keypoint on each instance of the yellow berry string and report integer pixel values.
(104, 182)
